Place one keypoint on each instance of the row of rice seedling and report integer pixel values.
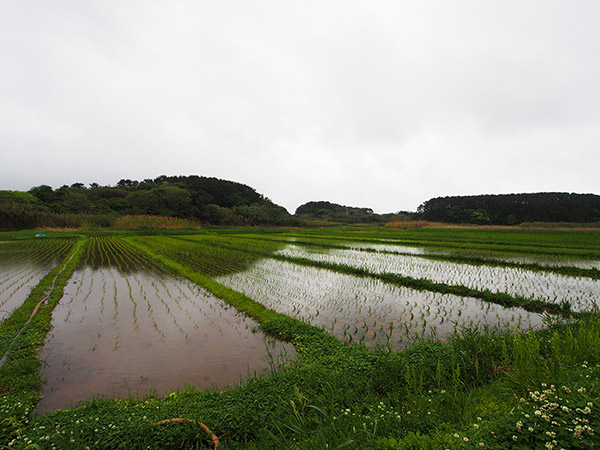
(546, 261)
(352, 308)
(576, 246)
(501, 298)
(367, 310)
(588, 267)
(29, 253)
(119, 331)
(23, 264)
(580, 293)
(542, 260)
(200, 257)
(114, 252)
(333, 243)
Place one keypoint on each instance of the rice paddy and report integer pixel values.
(126, 327)
(186, 325)
(581, 293)
(23, 264)
(359, 310)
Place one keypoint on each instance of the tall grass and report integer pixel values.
(142, 221)
(410, 224)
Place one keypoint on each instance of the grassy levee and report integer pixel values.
(422, 284)
(592, 273)
(19, 342)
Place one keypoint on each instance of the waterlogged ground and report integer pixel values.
(426, 251)
(582, 293)
(362, 309)
(23, 264)
(543, 260)
(124, 328)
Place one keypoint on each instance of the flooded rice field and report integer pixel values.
(361, 310)
(542, 260)
(23, 264)
(124, 327)
(582, 293)
(388, 247)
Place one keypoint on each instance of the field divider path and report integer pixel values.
(420, 284)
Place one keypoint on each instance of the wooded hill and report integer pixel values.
(209, 200)
(334, 212)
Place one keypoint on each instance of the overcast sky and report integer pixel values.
(382, 104)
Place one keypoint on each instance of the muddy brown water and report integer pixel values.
(123, 334)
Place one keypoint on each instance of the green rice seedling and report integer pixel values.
(538, 286)
(296, 290)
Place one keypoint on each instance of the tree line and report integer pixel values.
(512, 209)
(222, 202)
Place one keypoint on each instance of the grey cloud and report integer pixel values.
(380, 104)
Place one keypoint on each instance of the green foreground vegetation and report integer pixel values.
(481, 388)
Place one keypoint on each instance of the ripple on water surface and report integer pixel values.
(120, 334)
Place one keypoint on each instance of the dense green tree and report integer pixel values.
(44, 193)
(510, 209)
(337, 213)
